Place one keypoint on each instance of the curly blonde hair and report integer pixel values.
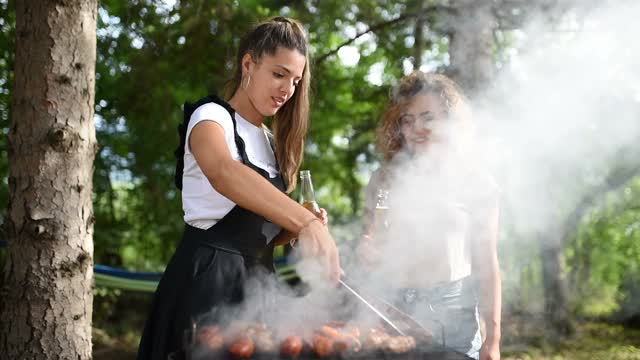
(388, 135)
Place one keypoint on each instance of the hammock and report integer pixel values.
(110, 277)
(114, 278)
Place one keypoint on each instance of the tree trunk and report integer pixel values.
(47, 311)
(471, 45)
(556, 291)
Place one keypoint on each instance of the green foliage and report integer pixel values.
(605, 254)
(593, 341)
(152, 58)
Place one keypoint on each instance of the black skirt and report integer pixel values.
(209, 269)
(199, 279)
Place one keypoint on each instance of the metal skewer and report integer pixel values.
(373, 308)
(413, 322)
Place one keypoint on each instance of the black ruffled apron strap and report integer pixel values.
(188, 109)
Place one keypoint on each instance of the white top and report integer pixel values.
(204, 206)
(433, 217)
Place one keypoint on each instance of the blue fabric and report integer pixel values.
(135, 275)
(450, 310)
(150, 276)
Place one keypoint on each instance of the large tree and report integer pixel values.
(471, 44)
(47, 308)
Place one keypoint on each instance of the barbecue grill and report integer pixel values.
(425, 353)
(393, 321)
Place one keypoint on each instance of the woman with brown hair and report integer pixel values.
(235, 177)
(441, 226)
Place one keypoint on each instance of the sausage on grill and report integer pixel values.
(329, 331)
(322, 345)
(401, 344)
(242, 348)
(264, 342)
(376, 339)
(353, 342)
(291, 346)
(210, 337)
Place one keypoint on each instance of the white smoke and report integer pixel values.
(560, 124)
(565, 113)
(561, 116)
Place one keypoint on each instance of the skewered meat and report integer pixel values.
(329, 331)
(210, 337)
(401, 344)
(342, 327)
(242, 348)
(254, 329)
(340, 345)
(349, 343)
(264, 342)
(322, 345)
(331, 338)
(353, 331)
(291, 346)
(376, 339)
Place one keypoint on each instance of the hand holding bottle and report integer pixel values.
(368, 249)
(315, 240)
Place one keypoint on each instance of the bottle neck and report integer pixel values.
(306, 190)
(382, 198)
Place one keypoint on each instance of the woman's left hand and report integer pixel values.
(324, 217)
(490, 350)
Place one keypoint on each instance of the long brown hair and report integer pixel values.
(388, 135)
(291, 122)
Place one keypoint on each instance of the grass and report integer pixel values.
(593, 340)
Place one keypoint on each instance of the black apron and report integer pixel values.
(209, 267)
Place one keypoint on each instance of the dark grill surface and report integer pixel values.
(431, 353)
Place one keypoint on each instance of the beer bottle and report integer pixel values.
(307, 196)
(381, 216)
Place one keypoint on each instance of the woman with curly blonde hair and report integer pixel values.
(443, 227)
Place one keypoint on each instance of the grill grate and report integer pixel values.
(428, 353)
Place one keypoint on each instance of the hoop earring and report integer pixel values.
(244, 83)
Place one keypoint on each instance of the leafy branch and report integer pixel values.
(382, 25)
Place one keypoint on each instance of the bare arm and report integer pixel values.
(487, 268)
(285, 236)
(248, 189)
(240, 183)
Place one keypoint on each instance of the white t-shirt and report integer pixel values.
(203, 206)
(434, 217)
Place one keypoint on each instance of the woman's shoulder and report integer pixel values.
(211, 111)
(210, 108)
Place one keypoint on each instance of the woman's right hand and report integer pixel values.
(315, 241)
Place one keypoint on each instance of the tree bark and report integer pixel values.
(471, 45)
(47, 311)
(556, 291)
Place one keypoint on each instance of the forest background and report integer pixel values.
(573, 269)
